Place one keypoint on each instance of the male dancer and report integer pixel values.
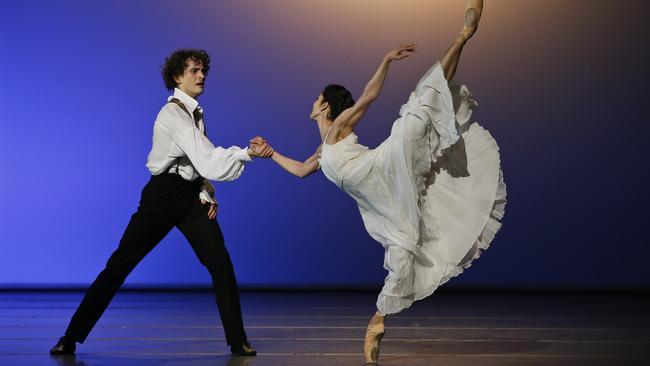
(178, 194)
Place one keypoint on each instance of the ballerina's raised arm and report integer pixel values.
(337, 114)
(344, 124)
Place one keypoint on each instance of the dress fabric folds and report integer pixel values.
(432, 193)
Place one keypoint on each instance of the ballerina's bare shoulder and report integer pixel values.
(338, 132)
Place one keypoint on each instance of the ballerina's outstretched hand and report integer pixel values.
(403, 51)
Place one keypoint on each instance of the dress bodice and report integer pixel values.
(338, 160)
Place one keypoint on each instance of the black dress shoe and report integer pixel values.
(65, 346)
(244, 349)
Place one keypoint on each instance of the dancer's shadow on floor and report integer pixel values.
(67, 360)
(242, 361)
(73, 360)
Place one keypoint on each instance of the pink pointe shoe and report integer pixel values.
(374, 334)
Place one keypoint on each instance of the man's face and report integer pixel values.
(192, 80)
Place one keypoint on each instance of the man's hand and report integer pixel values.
(258, 147)
(212, 211)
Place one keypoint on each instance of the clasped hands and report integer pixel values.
(260, 148)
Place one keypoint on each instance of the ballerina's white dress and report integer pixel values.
(432, 193)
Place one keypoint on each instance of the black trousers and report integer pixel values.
(167, 201)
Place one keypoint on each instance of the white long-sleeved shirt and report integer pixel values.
(177, 135)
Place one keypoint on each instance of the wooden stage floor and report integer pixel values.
(327, 328)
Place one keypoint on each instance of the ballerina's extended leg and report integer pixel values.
(449, 61)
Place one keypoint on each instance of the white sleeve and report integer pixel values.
(212, 162)
(204, 195)
(207, 192)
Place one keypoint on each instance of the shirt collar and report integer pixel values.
(190, 103)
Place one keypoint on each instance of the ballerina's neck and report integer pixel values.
(324, 128)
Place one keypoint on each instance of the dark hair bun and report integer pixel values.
(338, 98)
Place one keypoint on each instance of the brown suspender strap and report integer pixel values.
(196, 117)
(180, 104)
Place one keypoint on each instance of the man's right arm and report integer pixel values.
(212, 162)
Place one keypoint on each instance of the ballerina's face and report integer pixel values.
(318, 107)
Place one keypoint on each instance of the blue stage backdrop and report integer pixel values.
(561, 86)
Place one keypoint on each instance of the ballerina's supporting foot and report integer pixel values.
(449, 61)
(374, 334)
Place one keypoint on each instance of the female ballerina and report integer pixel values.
(432, 193)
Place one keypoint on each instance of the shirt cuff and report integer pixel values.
(206, 197)
(242, 155)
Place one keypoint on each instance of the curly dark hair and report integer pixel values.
(338, 98)
(175, 64)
